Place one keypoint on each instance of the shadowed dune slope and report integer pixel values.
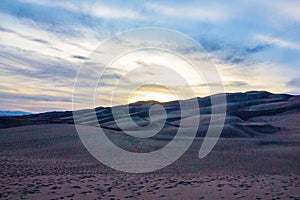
(242, 108)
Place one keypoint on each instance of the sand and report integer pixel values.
(257, 156)
(49, 162)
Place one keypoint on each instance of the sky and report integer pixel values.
(255, 45)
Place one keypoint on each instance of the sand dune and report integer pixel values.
(241, 109)
(257, 157)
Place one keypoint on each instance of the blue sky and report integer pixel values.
(254, 44)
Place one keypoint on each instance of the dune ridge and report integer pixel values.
(243, 117)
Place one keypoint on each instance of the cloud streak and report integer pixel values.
(94, 9)
(269, 40)
(205, 13)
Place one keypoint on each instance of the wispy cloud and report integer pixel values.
(288, 9)
(205, 13)
(96, 9)
(279, 42)
(36, 97)
(27, 35)
(294, 82)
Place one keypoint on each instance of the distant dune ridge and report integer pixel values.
(245, 115)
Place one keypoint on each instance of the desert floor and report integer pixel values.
(50, 162)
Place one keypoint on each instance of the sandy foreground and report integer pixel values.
(163, 186)
(50, 162)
